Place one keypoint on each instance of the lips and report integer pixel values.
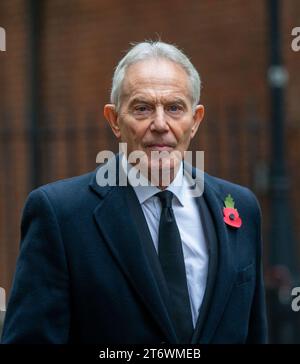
(160, 146)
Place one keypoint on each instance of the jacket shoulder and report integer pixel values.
(222, 186)
(65, 195)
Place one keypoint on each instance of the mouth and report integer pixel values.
(160, 147)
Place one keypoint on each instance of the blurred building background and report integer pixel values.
(55, 78)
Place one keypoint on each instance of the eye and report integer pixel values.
(175, 108)
(141, 109)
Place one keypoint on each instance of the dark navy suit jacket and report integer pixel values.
(88, 271)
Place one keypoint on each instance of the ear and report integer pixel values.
(197, 118)
(111, 116)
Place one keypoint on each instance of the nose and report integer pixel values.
(159, 122)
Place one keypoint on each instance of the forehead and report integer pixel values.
(156, 77)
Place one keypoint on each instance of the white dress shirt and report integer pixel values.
(190, 228)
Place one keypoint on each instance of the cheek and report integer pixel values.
(133, 132)
(182, 132)
(140, 129)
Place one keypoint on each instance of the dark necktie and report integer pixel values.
(172, 263)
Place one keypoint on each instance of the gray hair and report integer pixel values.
(147, 50)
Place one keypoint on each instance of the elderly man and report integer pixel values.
(142, 263)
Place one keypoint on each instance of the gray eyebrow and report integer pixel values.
(145, 100)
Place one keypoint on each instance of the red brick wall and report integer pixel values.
(13, 148)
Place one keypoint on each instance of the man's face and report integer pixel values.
(155, 111)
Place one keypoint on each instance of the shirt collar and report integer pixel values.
(145, 192)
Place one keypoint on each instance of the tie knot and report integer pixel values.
(165, 198)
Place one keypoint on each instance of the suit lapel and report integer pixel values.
(148, 245)
(226, 271)
(212, 243)
(120, 233)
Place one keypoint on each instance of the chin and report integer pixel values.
(167, 166)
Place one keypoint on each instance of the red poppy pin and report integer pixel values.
(231, 215)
